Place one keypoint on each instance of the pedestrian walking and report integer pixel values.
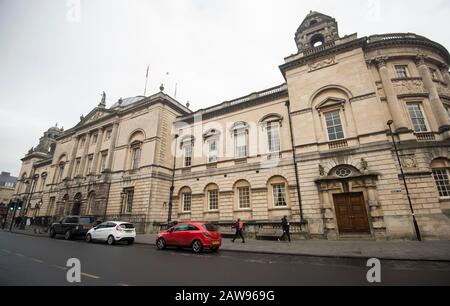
(286, 227)
(239, 226)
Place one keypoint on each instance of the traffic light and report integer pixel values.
(11, 206)
(19, 205)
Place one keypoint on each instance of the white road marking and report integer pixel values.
(6, 251)
(123, 285)
(37, 260)
(90, 275)
(20, 255)
(59, 267)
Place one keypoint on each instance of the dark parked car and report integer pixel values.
(72, 226)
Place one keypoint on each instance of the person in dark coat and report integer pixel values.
(239, 226)
(286, 227)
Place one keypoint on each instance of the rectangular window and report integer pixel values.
(212, 150)
(51, 206)
(241, 143)
(334, 126)
(273, 135)
(60, 173)
(244, 197)
(187, 155)
(129, 201)
(213, 198)
(442, 181)
(108, 135)
(402, 71)
(77, 167)
(417, 118)
(89, 164)
(433, 73)
(82, 143)
(103, 161)
(279, 195)
(135, 158)
(187, 199)
(94, 139)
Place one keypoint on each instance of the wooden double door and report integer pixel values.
(351, 213)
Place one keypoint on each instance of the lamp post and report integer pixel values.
(172, 187)
(416, 226)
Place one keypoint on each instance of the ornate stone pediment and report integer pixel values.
(330, 102)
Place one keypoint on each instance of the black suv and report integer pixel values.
(72, 226)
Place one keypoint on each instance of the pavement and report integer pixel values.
(387, 250)
(31, 261)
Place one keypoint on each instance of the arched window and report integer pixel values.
(242, 195)
(185, 199)
(317, 40)
(135, 149)
(272, 124)
(277, 188)
(212, 197)
(91, 205)
(441, 175)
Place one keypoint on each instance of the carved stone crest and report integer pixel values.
(322, 64)
(409, 161)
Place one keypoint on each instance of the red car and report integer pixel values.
(195, 235)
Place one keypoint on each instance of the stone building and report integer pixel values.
(316, 148)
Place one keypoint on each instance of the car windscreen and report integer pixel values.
(210, 227)
(127, 225)
(86, 220)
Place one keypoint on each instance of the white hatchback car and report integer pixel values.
(112, 232)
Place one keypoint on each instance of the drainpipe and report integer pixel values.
(299, 197)
(172, 187)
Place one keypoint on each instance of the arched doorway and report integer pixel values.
(76, 208)
(349, 199)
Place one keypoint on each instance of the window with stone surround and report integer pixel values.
(402, 71)
(417, 117)
(135, 157)
(279, 195)
(212, 150)
(187, 152)
(244, 197)
(433, 73)
(129, 197)
(334, 125)
(213, 199)
(103, 156)
(187, 200)
(241, 137)
(89, 164)
(273, 136)
(108, 135)
(441, 175)
(77, 167)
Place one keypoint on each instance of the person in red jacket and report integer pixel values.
(239, 226)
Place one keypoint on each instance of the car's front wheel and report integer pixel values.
(88, 238)
(52, 233)
(161, 244)
(111, 240)
(68, 235)
(197, 246)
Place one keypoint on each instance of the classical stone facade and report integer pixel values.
(316, 149)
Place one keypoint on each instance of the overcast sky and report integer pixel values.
(57, 56)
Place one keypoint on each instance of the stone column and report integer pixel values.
(73, 157)
(112, 146)
(391, 96)
(87, 143)
(97, 150)
(439, 111)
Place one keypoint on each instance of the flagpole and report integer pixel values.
(146, 81)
